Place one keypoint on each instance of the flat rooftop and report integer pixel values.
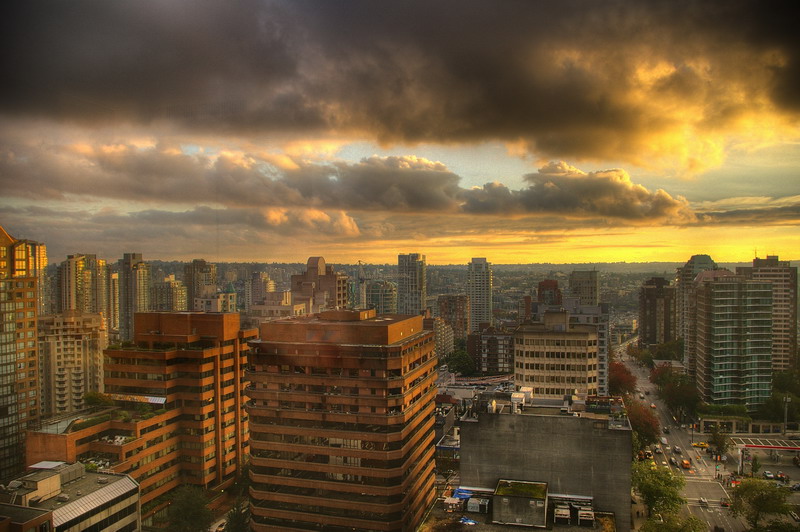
(21, 514)
(86, 493)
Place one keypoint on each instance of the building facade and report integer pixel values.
(492, 350)
(479, 291)
(656, 312)
(454, 309)
(169, 295)
(382, 296)
(783, 277)
(548, 292)
(134, 292)
(556, 357)
(732, 339)
(71, 347)
(82, 285)
(20, 395)
(200, 278)
(585, 286)
(320, 287)
(412, 283)
(342, 425)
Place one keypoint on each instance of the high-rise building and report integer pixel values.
(113, 304)
(656, 312)
(178, 415)
(454, 310)
(200, 278)
(82, 285)
(548, 292)
(412, 283)
(256, 289)
(320, 286)
(585, 285)
(684, 284)
(783, 277)
(556, 357)
(169, 295)
(134, 292)
(20, 393)
(732, 338)
(442, 333)
(342, 424)
(382, 296)
(71, 348)
(479, 290)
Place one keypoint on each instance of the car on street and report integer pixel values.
(666, 430)
(685, 464)
(795, 487)
(657, 449)
(769, 475)
(652, 405)
(221, 526)
(673, 461)
(700, 444)
(725, 502)
(676, 450)
(703, 501)
(794, 516)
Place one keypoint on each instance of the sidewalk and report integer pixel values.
(638, 513)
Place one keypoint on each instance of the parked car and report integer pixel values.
(768, 475)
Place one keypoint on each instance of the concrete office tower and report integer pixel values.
(82, 285)
(169, 295)
(19, 355)
(783, 277)
(732, 339)
(479, 290)
(256, 289)
(355, 394)
(113, 305)
(548, 292)
(656, 312)
(320, 287)
(556, 357)
(200, 278)
(134, 292)
(684, 284)
(454, 310)
(492, 350)
(382, 296)
(71, 349)
(585, 285)
(412, 283)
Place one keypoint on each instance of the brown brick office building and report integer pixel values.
(341, 420)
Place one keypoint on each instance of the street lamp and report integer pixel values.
(786, 401)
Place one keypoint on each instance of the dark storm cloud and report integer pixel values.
(560, 78)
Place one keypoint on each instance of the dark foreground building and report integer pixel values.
(342, 425)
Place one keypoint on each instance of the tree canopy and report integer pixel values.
(460, 362)
(189, 510)
(719, 440)
(753, 499)
(674, 523)
(643, 422)
(238, 518)
(620, 379)
(659, 488)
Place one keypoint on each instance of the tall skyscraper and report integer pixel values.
(200, 278)
(71, 349)
(783, 277)
(454, 310)
(134, 292)
(412, 283)
(656, 312)
(585, 285)
(684, 284)
(732, 339)
(20, 396)
(82, 285)
(354, 395)
(479, 290)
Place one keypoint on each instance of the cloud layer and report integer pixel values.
(650, 84)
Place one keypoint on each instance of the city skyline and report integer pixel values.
(524, 133)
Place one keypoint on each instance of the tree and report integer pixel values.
(238, 518)
(97, 399)
(754, 498)
(620, 379)
(461, 362)
(643, 422)
(719, 440)
(674, 523)
(659, 488)
(755, 465)
(669, 350)
(189, 511)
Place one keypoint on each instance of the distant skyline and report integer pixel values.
(523, 132)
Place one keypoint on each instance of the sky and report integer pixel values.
(524, 132)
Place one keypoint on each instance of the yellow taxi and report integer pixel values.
(701, 444)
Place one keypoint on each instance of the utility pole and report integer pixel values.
(786, 401)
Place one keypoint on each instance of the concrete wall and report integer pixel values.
(570, 454)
